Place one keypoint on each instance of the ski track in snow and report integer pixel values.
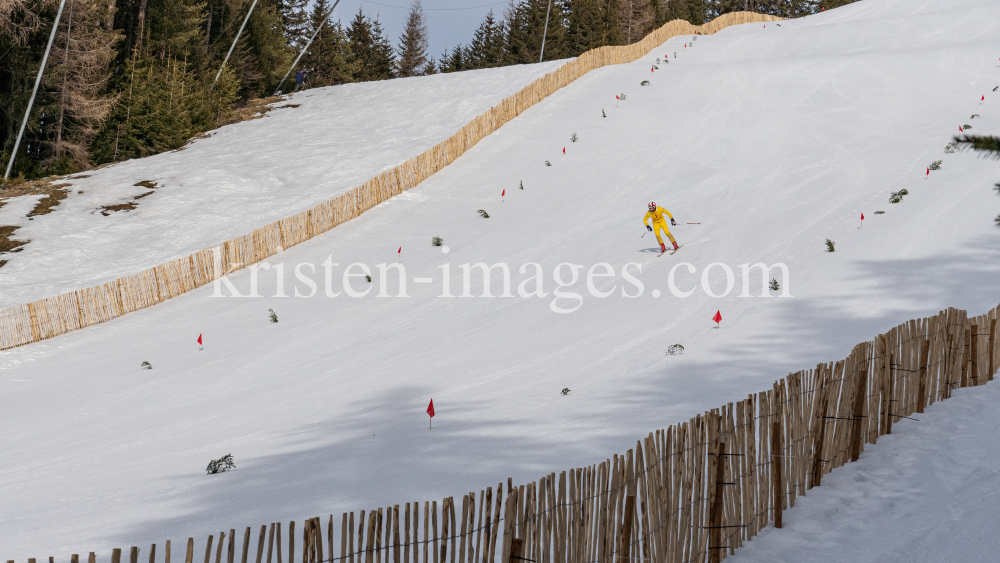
(773, 139)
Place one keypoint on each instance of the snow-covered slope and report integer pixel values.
(770, 139)
(313, 146)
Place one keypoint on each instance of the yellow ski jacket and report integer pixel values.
(657, 216)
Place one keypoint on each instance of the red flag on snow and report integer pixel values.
(650, 69)
(928, 172)
(503, 193)
(862, 216)
(564, 150)
(616, 96)
(982, 99)
(430, 413)
(199, 339)
(718, 317)
(960, 130)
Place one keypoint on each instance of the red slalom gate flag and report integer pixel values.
(717, 318)
(199, 339)
(960, 130)
(862, 220)
(430, 411)
(928, 172)
(564, 150)
(982, 99)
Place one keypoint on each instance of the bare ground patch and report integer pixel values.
(106, 210)
(6, 244)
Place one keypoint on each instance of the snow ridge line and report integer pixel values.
(49, 317)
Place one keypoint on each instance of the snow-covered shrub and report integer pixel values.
(774, 285)
(221, 465)
(368, 278)
(897, 197)
(880, 212)
(675, 349)
(602, 113)
(146, 365)
(644, 83)
(966, 127)
(951, 147)
(572, 138)
(829, 245)
(936, 165)
(522, 184)
(437, 241)
(271, 315)
(547, 163)
(484, 214)
(975, 115)
(565, 391)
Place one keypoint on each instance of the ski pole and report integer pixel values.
(694, 223)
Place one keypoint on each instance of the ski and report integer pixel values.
(680, 246)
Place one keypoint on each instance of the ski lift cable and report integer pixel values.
(233, 46)
(436, 9)
(304, 49)
(34, 91)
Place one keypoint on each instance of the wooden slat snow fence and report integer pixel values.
(23, 324)
(691, 493)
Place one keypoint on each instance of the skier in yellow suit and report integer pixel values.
(660, 224)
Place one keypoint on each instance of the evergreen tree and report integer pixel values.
(412, 49)
(328, 61)
(453, 61)
(525, 24)
(297, 20)
(370, 49)
(487, 47)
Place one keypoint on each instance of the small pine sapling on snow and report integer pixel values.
(522, 184)
(951, 147)
(483, 214)
(272, 316)
(437, 241)
(547, 163)
(897, 197)
(880, 212)
(644, 83)
(565, 391)
(975, 115)
(936, 165)
(221, 465)
(774, 285)
(657, 60)
(966, 127)
(675, 349)
(368, 278)
(146, 365)
(573, 138)
(829, 245)
(602, 113)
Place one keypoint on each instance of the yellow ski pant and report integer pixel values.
(662, 225)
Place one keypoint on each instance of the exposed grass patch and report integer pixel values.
(131, 205)
(7, 245)
(51, 201)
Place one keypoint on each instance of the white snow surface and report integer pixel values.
(773, 139)
(311, 147)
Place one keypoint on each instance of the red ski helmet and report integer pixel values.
(652, 206)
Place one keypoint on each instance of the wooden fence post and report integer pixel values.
(152, 553)
(246, 545)
(116, 556)
(925, 349)
(974, 354)
(993, 337)
(776, 476)
(516, 550)
(133, 556)
(858, 415)
(889, 407)
(717, 507)
(820, 420)
(625, 538)
(189, 556)
(260, 544)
